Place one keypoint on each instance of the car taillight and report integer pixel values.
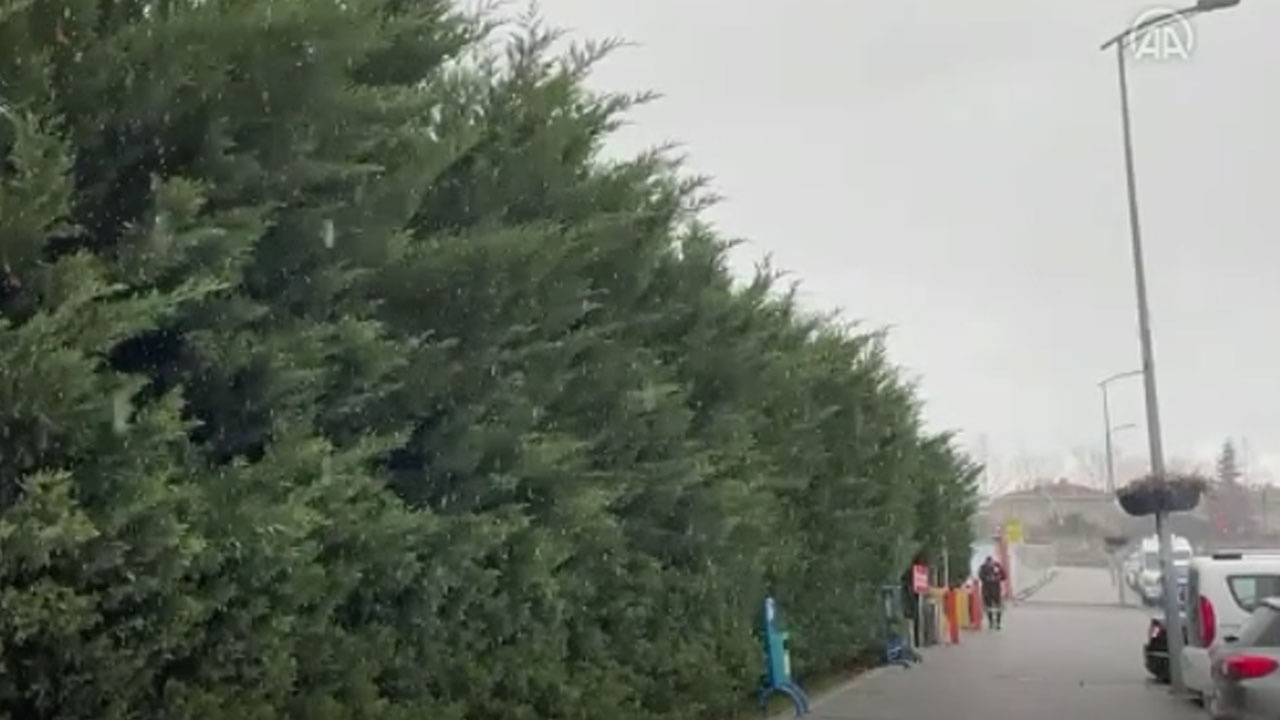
(1248, 667)
(1156, 629)
(1208, 622)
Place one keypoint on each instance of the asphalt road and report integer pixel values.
(1065, 654)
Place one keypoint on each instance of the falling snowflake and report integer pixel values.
(327, 233)
(121, 409)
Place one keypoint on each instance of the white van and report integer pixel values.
(1149, 576)
(1223, 589)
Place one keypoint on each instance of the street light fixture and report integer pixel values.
(1173, 618)
(1165, 18)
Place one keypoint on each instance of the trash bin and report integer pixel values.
(899, 644)
(929, 623)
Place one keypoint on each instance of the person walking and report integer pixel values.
(992, 576)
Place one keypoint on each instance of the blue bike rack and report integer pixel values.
(777, 677)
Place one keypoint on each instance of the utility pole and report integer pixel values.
(1266, 527)
(1106, 427)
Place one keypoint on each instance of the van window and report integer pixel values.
(1250, 590)
(1182, 555)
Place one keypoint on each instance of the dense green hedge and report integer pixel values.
(341, 378)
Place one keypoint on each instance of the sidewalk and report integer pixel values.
(1051, 662)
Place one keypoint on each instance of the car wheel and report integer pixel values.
(1159, 671)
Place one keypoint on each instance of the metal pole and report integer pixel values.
(1116, 573)
(1119, 562)
(1106, 426)
(1173, 618)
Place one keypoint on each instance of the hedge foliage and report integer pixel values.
(341, 377)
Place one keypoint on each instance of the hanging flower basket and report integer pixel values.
(1148, 496)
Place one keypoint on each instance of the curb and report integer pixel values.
(837, 691)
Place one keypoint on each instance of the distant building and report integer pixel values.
(1048, 502)
(1239, 515)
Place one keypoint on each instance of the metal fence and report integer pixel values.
(1032, 564)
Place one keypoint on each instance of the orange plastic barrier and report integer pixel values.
(943, 615)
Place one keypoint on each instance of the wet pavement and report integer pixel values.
(1064, 654)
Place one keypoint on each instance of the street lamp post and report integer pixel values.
(1117, 570)
(1106, 424)
(1108, 431)
(1173, 618)
(1111, 435)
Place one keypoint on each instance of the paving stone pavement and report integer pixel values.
(1071, 657)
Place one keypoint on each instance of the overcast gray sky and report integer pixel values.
(954, 170)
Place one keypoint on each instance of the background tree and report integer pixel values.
(1227, 465)
(1230, 504)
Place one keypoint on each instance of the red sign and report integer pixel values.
(920, 578)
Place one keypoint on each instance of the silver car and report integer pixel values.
(1246, 669)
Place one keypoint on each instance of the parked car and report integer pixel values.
(1155, 652)
(1148, 582)
(1246, 669)
(1223, 590)
(1132, 566)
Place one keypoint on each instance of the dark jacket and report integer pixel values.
(991, 575)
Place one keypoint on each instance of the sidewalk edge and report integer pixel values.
(838, 691)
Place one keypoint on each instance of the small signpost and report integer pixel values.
(919, 578)
(920, 588)
(1013, 531)
(777, 660)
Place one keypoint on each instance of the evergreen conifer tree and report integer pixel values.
(340, 377)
